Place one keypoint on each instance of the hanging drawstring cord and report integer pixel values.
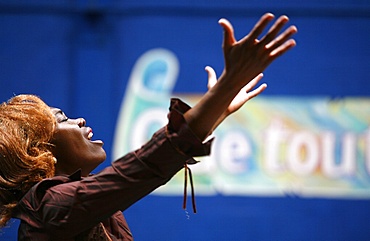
(187, 170)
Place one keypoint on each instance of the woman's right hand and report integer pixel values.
(248, 57)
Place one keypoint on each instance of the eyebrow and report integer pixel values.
(57, 111)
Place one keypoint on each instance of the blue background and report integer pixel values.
(78, 55)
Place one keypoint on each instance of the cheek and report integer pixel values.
(66, 142)
(75, 149)
(65, 150)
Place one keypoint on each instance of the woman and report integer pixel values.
(46, 158)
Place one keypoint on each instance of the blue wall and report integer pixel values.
(78, 55)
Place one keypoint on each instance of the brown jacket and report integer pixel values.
(75, 208)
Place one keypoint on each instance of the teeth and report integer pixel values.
(90, 135)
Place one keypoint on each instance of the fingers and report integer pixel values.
(282, 49)
(229, 38)
(274, 30)
(277, 46)
(243, 97)
(248, 94)
(260, 26)
(212, 78)
(282, 38)
(257, 91)
(253, 83)
(282, 43)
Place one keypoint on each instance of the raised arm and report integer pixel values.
(244, 61)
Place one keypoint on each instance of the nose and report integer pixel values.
(81, 122)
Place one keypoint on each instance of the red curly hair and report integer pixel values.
(26, 128)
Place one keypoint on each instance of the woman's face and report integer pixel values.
(74, 148)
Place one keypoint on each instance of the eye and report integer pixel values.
(64, 119)
(60, 116)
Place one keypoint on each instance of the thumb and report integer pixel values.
(229, 38)
(212, 79)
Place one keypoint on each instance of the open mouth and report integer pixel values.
(90, 135)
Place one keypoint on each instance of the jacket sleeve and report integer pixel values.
(71, 207)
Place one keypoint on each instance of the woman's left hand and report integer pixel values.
(245, 94)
